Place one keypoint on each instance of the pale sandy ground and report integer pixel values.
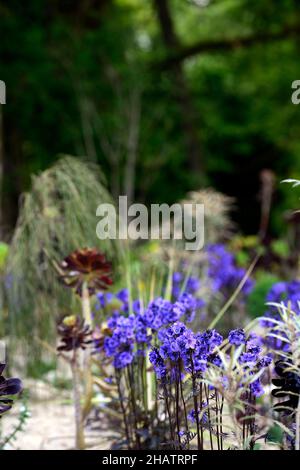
(51, 423)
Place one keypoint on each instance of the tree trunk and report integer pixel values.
(132, 144)
(12, 166)
(1, 175)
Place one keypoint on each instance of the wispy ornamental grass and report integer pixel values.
(56, 217)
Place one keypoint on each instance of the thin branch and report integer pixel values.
(229, 44)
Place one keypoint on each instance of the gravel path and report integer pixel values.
(51, 424)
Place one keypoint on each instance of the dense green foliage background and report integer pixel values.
(91, 78)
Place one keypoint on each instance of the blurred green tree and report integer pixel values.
(162, 104)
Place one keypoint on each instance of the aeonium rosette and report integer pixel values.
(8, 389)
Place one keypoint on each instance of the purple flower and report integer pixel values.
(123, 295)
(250, 356)
(177, 277)
(189, 340)
(192, 416)
(264, 361)
(136, 306)
(223, 271)
(215, 360)
(212, 339)
(123, 360)
(256, 388)
(237, 337)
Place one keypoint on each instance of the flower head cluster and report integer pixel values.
(196, 353)
(253, 361)
(161, 312)
(223, 271)
(132, 334)
(180, 344)
(191, 286)
(120, 344)
(116, 303)
(237, 337)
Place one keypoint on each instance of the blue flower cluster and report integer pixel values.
(197, 352)
(120, 345)
(237, 337)
(202, 420)
(253, 361)
(178, 343)
(191, 287)
(223, 275)
(192, 284)
(223, 271)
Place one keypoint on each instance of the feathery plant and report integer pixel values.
(56, 217)
(218, 224)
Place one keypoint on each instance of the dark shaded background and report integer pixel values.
(167, 95)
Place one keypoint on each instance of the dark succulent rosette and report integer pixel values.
(86, 266)
(74, 333)
(8, 388)
(287, 386)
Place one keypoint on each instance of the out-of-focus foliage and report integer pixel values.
(257, 298)
(84, 78)
(218, 210)
(3, 255)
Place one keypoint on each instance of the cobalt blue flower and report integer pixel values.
(237, 337)
(188, 340)
(251, 355)
(212, 339)
(123, 295)
(215, 360)
(256, 388)
(223, 272)
(123, 359)
(264, 361)
(192, 415)
(192, 284)
(190, 304)
(158, 363)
